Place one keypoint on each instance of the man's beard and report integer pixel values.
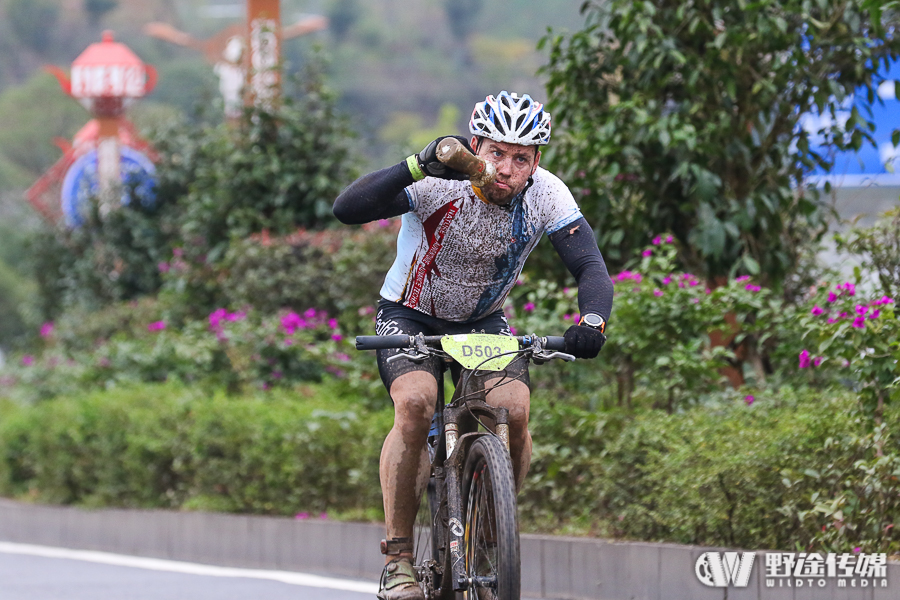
(498, 197)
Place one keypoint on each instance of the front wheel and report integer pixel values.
(492, 530)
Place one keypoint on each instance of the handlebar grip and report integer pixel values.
(382, 342)
(556, 342)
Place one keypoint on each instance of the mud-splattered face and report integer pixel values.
(514, 163)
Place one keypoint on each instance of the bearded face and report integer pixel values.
(514, 164)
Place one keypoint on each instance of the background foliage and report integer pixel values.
(684, 117)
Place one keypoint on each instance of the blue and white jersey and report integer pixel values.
(458, 255)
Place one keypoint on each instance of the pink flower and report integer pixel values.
(566, 290)
(512, 330)
(178, 252)
(47, 329)
(216, 316)
(337, 337)
(301, 516)
(647, 252)
(875, 314)
(288, 343)
(832, 296)
(576, 317)
(566, 317)
(667, 280)
(277, 374)
(743, 278)
(708, 291)
(749, 399)
(857, 549)
(529, 307)
(342, 357)
(384, 223)
(884, 300)
(323, 515)
(859, 322)
(332, 323)
(238, 316)
(657, 292)
(817, 361)
(519, 282)
(804, 359)
(816, 311)
(861, 309)
(310, 313)
(832, 320)
(27, 360)
(157, 326)
(291, 322)
(162, 267)
(696, 300)
(657, 240)
(752, 288)
(669, 239)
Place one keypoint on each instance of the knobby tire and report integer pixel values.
(491, 521)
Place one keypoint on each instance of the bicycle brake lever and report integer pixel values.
(412, 355)
(559, 355)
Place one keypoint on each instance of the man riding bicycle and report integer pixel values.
(460, 250)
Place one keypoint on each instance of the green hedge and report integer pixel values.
(170, 446)
(793, 471)
(799, 470)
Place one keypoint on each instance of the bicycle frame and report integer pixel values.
(450, 447)
(450, 457)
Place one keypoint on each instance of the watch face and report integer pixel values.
(592, 320)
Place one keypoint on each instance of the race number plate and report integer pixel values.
(471, 350)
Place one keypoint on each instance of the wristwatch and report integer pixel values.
(594, 321)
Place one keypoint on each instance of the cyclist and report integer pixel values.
(459, 252)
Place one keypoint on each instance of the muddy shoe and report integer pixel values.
(398, 582)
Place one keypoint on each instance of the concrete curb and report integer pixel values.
(552, 567)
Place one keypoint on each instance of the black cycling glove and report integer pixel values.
(431, 166)
(584, 342)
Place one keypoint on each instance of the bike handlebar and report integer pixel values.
(387, 342)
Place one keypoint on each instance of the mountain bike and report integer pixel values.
(469, 546)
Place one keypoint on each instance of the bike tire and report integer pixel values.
(491, 521)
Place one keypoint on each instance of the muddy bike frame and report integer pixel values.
(449, 444)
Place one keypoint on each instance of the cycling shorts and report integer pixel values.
(394, 318)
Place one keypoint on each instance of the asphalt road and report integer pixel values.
(35, 577)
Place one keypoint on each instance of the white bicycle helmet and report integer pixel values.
(513, 119)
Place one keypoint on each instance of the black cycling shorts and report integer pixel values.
(394, 318)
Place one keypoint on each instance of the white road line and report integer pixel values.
(156, 564)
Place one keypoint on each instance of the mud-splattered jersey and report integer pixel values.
(458, 256)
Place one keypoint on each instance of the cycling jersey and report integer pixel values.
(458, 256)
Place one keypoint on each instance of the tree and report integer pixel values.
(683, 117)
(33, 22)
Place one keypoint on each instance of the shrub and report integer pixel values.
(167, 446)
(798, 470)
